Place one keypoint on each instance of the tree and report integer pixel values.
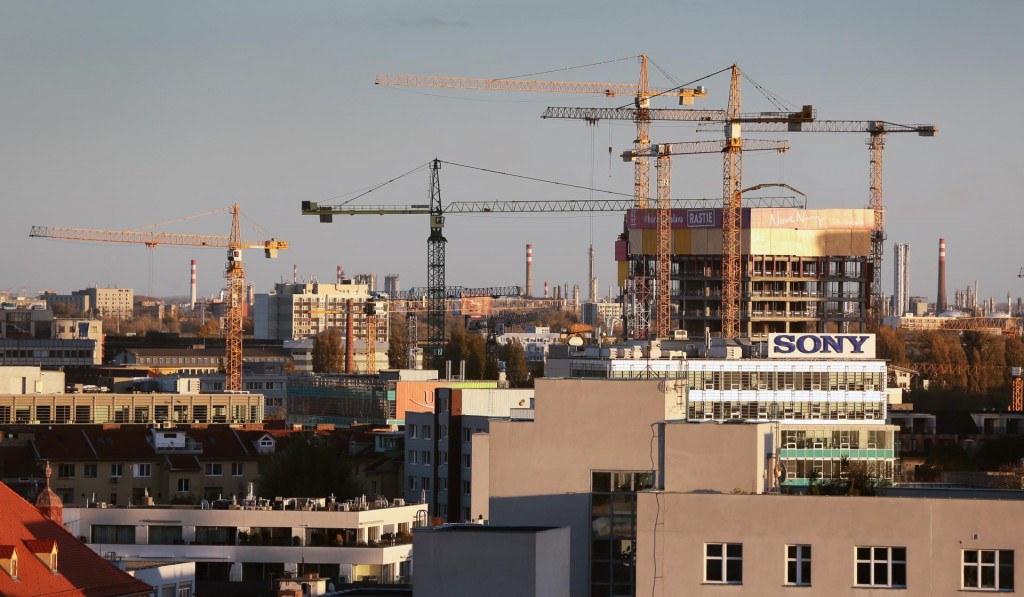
(327, 354)
(891, 345)
(398, 343)
(476, 357)
(209, 330)
(310, 466)
(515, 365)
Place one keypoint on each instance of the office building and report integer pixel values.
(901, 280)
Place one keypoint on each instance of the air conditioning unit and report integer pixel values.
(398, 502)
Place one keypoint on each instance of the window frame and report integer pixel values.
(116, 469)
(801, 556)
(723, 561)
(237, 469)
(890, 562)
(213, 469)
(997, 565)
(186, 483)
(143, 470)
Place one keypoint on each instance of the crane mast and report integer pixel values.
(732, 212)
(235, 276)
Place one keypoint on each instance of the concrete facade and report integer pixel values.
(497, 562)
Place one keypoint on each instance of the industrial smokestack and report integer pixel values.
(295, 274)
(350, 337)
(940, 297)
(545, 289)
(529, 270)
(192, 288)
(341, 274)
(593, 278)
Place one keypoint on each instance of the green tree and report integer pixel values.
(944, 348)
(398, 343)
(327, 354)
(310, 466)
(515, 365)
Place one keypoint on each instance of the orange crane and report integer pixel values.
(642, 93)
(234, 271)
(663, 296)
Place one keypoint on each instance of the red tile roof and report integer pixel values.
(6, 551)
(81, 572)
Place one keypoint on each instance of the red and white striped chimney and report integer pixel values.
(341, 274)
(529, 270)
(295, 274)
(545, 289)
(940, 296)
(192, 291)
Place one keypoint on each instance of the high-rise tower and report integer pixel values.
(940, 296)
(901, 280)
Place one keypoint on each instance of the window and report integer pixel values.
(988, 569)
(426, 457)
(144, 469)
(184, 486)
(412, 431)
(467, 461)
(882, 567)
(117, 470)
(798, 565)
(214, 469)
(89, 470)
(115, 534)
(723, 563)
(467, 434)
(412, 482)
(465, 487)
(66, 471)
(165, 535)
(427, 431)
(444, 457)
(413, 457)
(442, 432)
(426, 483)
(237, 469)
(185, 589)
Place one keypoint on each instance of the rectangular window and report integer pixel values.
(426, 483)
(723, 563)
(882, 567)
(988, 569)
(114, 534)
(185, 589)
(89, 470)
(66, 471)
(214, 469)
(427, 431)
(467, 434)
(798, 565)
(165, 535)
(144, 469)
(426, 457)
(184, 486)
(413, 457)
(412, 431)
(237, 469)
(444, 458)
(412, 482)
(465, 487)
(117, 469)
(467, 461)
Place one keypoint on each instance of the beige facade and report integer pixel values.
(30, 380)
(110, 302)
(130, 408)
(939, 537)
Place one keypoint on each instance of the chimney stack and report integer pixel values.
(545, 289)
(341, 274)
(295, 274)
(350, 338)
(529, 270)
(192, 288)
(940, 297)
(593, 278)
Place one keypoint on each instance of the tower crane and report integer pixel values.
(876, 130)
(642, 93)
(663, 152)
(436, 243)
(234, 271)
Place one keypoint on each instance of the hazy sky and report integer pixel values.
(117, 115)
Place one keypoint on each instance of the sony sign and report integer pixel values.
(821, 346)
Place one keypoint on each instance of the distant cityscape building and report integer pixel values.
(369, 280)
(392, 283)
(901, 280)
(109, 302)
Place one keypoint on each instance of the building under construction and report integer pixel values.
(803, 270)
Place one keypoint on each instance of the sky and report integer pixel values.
(121, 114)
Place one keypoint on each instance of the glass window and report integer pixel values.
(881, 567)
(798, 565)
(214, 469)
(89, 470)
(426, 457)
(237, 469)
(988, 569)
(66, 471)
(723, 563)
(114, 534)
(144, 469)
(184, 486)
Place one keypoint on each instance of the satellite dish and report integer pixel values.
(575, 341)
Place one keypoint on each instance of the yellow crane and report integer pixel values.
(234, 271)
